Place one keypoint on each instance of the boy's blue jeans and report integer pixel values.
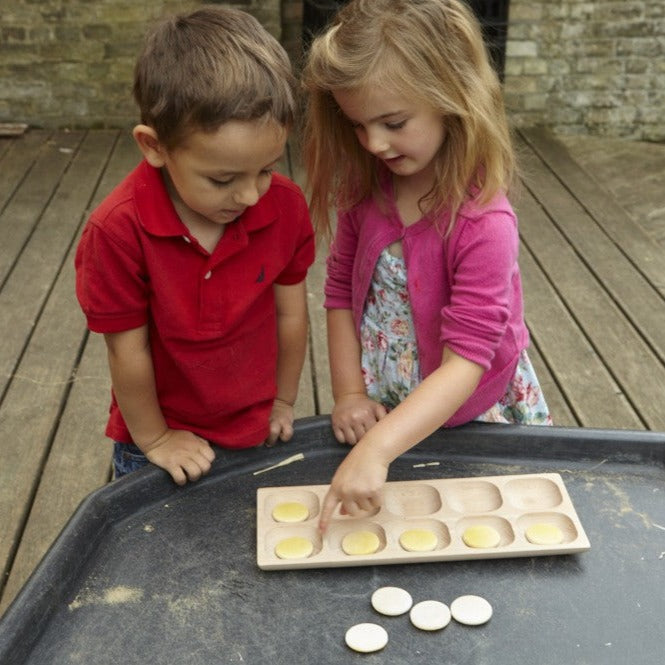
(127, 458)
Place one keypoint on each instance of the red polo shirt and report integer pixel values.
(211, 317)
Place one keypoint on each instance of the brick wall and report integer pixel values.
(588, 66)
(578, 66)
(70, 62)
(292, 11)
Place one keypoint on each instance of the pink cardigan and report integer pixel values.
(465, 290)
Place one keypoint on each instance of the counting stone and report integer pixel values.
(366, 637)
(294, 548)
(391, 601)
(544, 534)
(481, 536)
(471, 610)
(290, 511)
(418, 540)
(430, 615)
(360, 542)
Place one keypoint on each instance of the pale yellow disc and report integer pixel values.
(418, 540)
(290, 511)
(360, 542)
(544, 534)
(296, 547)
(481, 536)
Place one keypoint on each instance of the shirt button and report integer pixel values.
(208, 275)
(186, 239)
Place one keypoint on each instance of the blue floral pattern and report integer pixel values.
(390, 355)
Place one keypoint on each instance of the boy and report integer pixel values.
(193, 268)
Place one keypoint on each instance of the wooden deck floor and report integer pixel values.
(594, 284)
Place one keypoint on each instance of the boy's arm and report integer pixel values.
(354, 412)
(183, 454)
(291, 306)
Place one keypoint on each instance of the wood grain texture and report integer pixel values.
(593, 283)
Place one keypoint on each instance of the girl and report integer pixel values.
(407, 136)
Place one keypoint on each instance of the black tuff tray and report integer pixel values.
(148, 572)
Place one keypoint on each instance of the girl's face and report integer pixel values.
(406, 135)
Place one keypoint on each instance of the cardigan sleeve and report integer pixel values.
(340, 263)
(484, 288)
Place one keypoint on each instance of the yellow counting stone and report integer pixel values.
(360, 542)
(481, 536)
(296, 547)
(418, 540)
(544, 534)
(290, 511)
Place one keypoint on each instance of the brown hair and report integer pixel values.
(431, 51)
(202, 69)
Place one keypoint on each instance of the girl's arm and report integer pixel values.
(291, 304)
(354, 412)
(358, 481)
(183, 454)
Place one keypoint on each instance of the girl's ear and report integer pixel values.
(148, 142)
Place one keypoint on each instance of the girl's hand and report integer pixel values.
(353, 415)
(357, 484)
(281, 422)
(183, 454)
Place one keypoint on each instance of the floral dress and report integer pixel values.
(390, 355)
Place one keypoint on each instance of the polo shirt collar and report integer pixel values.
(158, 216)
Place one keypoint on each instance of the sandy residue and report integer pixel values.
(116, 595)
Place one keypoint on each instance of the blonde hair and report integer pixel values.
(430, 51)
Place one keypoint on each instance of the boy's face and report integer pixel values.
(214, 176)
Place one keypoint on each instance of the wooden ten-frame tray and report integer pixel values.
(447, 507)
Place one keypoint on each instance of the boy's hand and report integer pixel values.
(183, 454)
(281, 422)
(353, 415)
(357, 484)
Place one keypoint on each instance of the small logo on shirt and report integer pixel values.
(262, 275)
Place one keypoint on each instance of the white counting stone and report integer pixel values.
(391, 601)
(430, 615)
(471, 610)
(366, 637)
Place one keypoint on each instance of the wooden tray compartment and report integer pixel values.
(447, 507)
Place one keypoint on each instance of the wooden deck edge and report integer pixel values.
(647, 256)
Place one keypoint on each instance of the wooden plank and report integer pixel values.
(579, 329)
(641, 302)
(318, 351)
(18, 156)
(78, 463)
(632, 172)
(23, 212)
(317, 313)
(39, 261)
(79, 458)
(629, 236)
(304, 405)
(560, 411)
(125, 158)
(80, 434)
(12, 128)
(589, 392)
(623, 315)
(32, 404)
(4, 147)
